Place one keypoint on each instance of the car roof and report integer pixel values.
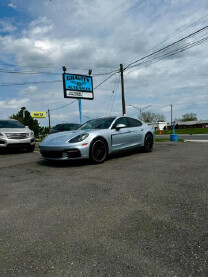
(67, 123)
(8, 119)
(106, 117)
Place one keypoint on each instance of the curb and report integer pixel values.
(195, 140)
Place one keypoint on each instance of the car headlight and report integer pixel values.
(79, 138)
(32, 134)
(1, 135)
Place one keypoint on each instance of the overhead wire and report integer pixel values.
(157, 58)
(139, 62)
(106, 80)
(183, 29)
(116, 89)
(29, 83)
(166, 47)
(27, 72)
(63, 106)
(53, 81)
(113, 92)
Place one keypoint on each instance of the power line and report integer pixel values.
(27, 72)
(52, 81)
(106, 79)
(47, 73)
(34, 66)
(166, 55)
(135, 63)
(166, 47)
(29, 83)
(115, 95)
(63, 106)
(194, 23)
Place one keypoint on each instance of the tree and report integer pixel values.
(43, 131)
(152, 117)
(189, 117)
(27, 120)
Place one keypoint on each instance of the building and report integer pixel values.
(158, 125)
(190, 124)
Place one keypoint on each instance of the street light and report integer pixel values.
(141, 109)
(23, 111)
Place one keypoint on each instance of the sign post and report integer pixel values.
(80, 110)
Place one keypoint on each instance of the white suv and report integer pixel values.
(14, 134)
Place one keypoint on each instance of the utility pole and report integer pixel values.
(171, 113)
(49, 120)
(122, 91)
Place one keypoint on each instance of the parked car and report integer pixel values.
(64, 127)
(97, 138)
(14, 134)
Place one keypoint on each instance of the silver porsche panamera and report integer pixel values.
(97, 138)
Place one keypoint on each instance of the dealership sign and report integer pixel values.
(78, 86)
(38, 114)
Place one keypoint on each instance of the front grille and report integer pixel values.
(17, 135)
(21, 145)
(52, 154)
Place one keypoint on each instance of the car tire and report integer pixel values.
(31, 148)
(148, 142)
(98, 151)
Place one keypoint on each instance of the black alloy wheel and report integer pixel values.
(98, 151)
(148, 143)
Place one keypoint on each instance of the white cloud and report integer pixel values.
(100, 35)
(14, 103)
(7, 26)
(11, 5)
(30, 91)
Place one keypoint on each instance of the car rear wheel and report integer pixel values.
(98, 151)
(148, 143)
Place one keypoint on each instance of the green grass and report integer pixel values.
(188, 131)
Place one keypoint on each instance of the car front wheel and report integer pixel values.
(148, 143)
(98, 151)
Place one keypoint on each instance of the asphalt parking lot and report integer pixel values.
(143, 214)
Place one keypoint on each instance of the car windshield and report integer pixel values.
(99, 123)
(11, 124)
(58, 127)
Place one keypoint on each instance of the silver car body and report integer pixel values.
(21, 137)
(57, 146)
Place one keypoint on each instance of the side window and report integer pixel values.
(121, 120)
(134, 122)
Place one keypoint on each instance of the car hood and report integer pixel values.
(14, 130)
(61, 137)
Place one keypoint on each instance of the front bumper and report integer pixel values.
(13, 143)
(72, 152)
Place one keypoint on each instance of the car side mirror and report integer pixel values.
(120, 126)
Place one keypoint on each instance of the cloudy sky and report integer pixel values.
(38, 37)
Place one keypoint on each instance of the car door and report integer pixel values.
(120, 139)
(136, 130)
